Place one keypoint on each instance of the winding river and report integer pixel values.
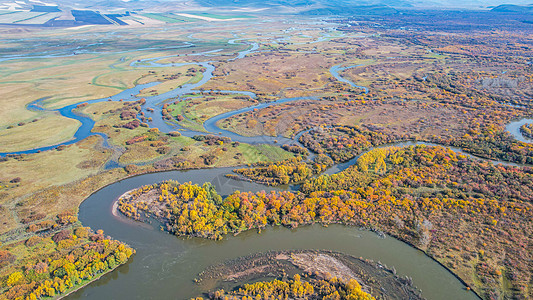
(210, 126)
(156, 102)
(339, 68)
(514, 129)
(164, 266)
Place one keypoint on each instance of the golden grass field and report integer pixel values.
(42, 171)
(198, 108)
(57, 128)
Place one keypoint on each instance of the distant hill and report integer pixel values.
(255, 3)
(513, 8)
(353, 10)
(332, 4)
(62, 13)
(341, 4)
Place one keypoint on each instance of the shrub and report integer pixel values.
(6, 258)
(34, 240)
(62, 235)
(81, 232)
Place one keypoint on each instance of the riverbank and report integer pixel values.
(514, 129)
(527, 130)
(58, 262)
(255, 274)
(76, 289)
(149, 242)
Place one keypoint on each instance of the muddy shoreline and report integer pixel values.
(374, 277)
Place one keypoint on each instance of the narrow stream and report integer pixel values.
(156, 102)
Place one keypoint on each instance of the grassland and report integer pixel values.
(46, 75)
(275, 73)
(55, 181)
(159, 146)
(169, 18)
(192, 111)
(179, 77)
(58, 129)
(44, 171)
(75, 76)
(82, 77)
(400, 100)
(222, 17)
(212, 17)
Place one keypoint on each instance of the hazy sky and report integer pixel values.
(473, 2)
(419, 2)
(415, 3)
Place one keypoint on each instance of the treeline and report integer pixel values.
(152, 135)
(53, 264)
(295, 149)
(430, 197)
(297, 288)
(211, 139)
(284, 172)
(445, 172)
(487, 113)
(527, 130)
(333, 144)
(492, 144)
(343, 143)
